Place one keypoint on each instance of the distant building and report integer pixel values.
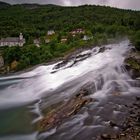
(77, 31)
(85, 38)
(12, 41)
(80, 30)
(51, 32)
(64, 40)
(37, 42)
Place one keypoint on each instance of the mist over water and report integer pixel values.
(48, 85)
(45, 79)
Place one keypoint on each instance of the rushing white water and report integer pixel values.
(41, 81)
(23, 137)
(31, 92)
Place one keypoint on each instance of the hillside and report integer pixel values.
(34, 21)
(39, 20)
(3, 4)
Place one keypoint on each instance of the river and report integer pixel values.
(24, 96)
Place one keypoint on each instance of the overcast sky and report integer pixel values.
(127, 4)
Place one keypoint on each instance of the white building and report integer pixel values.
(51, 32)
(63, 40)
(12, 41)
(85, 38)
(77, 31)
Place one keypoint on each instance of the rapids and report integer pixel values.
(24, 96)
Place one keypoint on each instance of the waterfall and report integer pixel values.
(100, 69)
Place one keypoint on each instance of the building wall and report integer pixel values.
(10, 44)
(20, 44)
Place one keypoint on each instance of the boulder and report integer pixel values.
(132, 65)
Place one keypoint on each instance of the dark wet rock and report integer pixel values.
(88, 88)
(102, 49)
(83, 55)
(74, 59)
(61, 64)
(83, 92)
(57, 115)
(133, 49)
(105, 137)
(138, 98)
(112, 124)
(132, 64)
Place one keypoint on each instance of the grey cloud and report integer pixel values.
(127, 4)
(34, 1)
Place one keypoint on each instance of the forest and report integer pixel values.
(34, 21)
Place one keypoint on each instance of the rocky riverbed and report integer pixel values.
(59, 113)
(130, 128)
(131, 125)
(125, 125)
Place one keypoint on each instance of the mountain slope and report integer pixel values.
(3, 4)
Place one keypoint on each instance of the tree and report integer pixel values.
(137, 23)
(136, 40)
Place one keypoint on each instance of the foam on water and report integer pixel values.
(39, 82)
